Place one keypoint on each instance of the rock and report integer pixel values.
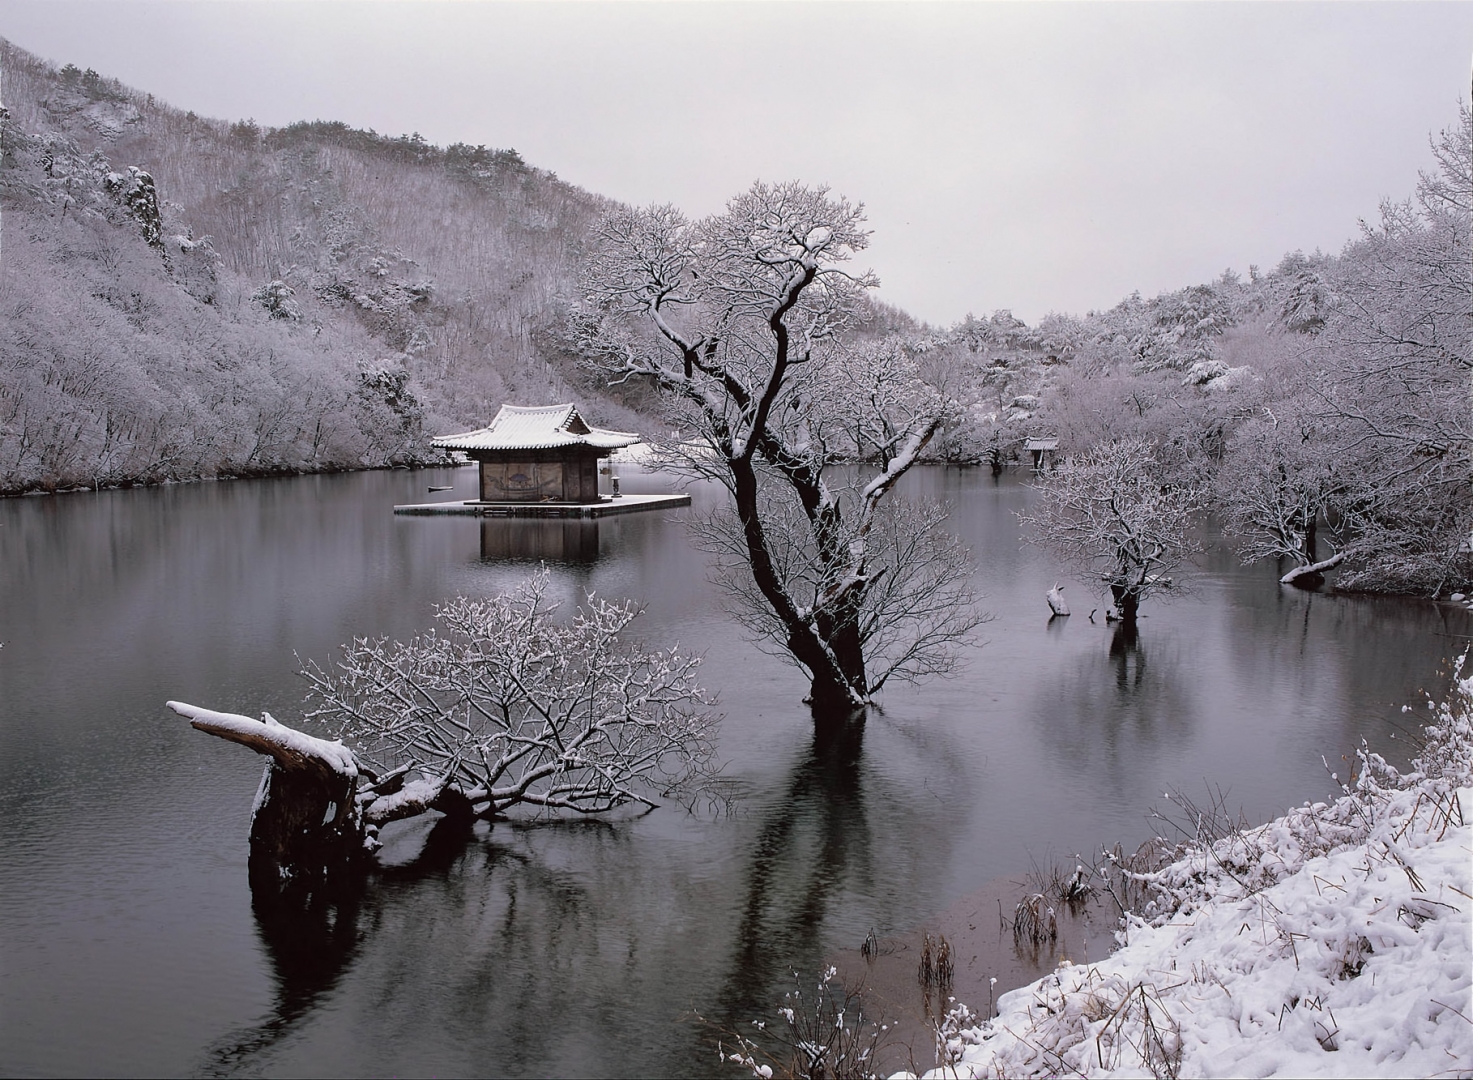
(135, 193)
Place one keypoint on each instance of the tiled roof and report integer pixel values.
(542, 427)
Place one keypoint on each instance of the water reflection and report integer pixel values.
(533, 540)
(1117, 706)
(310, 939)
(1127, 658)
(814, 839)
(311, 936)
(1348, 659)
(484, 933)
(575, 949)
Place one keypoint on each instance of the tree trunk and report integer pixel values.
(306, 825)
(995, 461)
(832, 702)
(830, 665)
(848, 651)
(1127, 603)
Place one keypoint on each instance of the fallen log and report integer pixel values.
(1313, 574)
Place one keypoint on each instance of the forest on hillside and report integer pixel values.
(1321, 408)
(185, 298)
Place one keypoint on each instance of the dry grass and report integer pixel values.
(822, 1032)
(936, 967)
(1034, 921)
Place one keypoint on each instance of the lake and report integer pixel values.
(128, 940)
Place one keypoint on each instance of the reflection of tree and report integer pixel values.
(311, 936)
(1127, 658)
(543, 946)
(814, 838)
(1114, 708)
(1343, 664)
(534, 949)
(310, 945)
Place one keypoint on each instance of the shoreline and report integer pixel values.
(283, 473)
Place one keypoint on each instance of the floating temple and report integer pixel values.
(541, 461)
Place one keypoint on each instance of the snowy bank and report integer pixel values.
(1334, 941)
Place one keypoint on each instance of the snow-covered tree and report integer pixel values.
(1280, 481)
(739, 321)
(506, 704)
(1396, 366)
(1114, 510)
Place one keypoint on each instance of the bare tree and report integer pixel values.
(1112, 510)
(508, 705)
(505, 705)
(739, 321)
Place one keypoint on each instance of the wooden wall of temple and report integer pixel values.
(541, 476)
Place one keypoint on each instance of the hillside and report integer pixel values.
(188, 297)
(1319, 408)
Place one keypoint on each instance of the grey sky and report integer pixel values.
(1025, 155)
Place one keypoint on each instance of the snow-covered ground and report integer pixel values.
(1334, 941)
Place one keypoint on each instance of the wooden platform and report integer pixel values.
(605, 507)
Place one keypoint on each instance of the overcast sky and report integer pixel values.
(1032, 156)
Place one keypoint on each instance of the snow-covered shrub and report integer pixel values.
(1204, 371)
(277, 298)
(1446, 757)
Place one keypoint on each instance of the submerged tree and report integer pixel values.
(738, 320)
(505, 705)
(1112, 510)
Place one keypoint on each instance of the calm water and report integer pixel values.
(127, 935)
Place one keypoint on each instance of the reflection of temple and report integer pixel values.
(565, 540)
(545, 454)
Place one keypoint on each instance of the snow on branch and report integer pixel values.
(745, 322)
(1313, 568)
(291, 749)
(506, 703)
